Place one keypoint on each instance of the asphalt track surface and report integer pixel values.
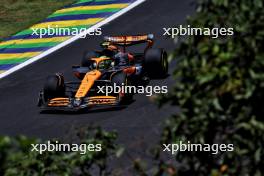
(138, 125)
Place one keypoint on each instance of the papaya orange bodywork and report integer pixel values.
(130, 70)
(87, 83)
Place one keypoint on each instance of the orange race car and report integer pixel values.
(112, 66)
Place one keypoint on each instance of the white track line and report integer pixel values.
(69, 41)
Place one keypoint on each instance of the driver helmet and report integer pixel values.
(112, 47)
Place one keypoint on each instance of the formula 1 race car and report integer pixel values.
(113, 65)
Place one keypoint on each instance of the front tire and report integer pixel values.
(54, 87)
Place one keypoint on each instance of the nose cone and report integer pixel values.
(77, 102)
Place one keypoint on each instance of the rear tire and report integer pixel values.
(156, 63)
(86, 60)
(54, 87)
(120, 79)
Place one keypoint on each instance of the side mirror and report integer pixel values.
(150, 36)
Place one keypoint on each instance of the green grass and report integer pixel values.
(17, 15)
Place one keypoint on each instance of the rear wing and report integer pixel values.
(129, 40)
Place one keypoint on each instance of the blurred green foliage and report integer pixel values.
(220, 90)
(17, 159)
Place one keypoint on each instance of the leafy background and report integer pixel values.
(16, 157)
(219, 90)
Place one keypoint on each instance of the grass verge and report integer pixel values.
(16, 15)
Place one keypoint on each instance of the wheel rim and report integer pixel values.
(164, 63)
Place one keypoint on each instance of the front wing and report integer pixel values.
(72, 104)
